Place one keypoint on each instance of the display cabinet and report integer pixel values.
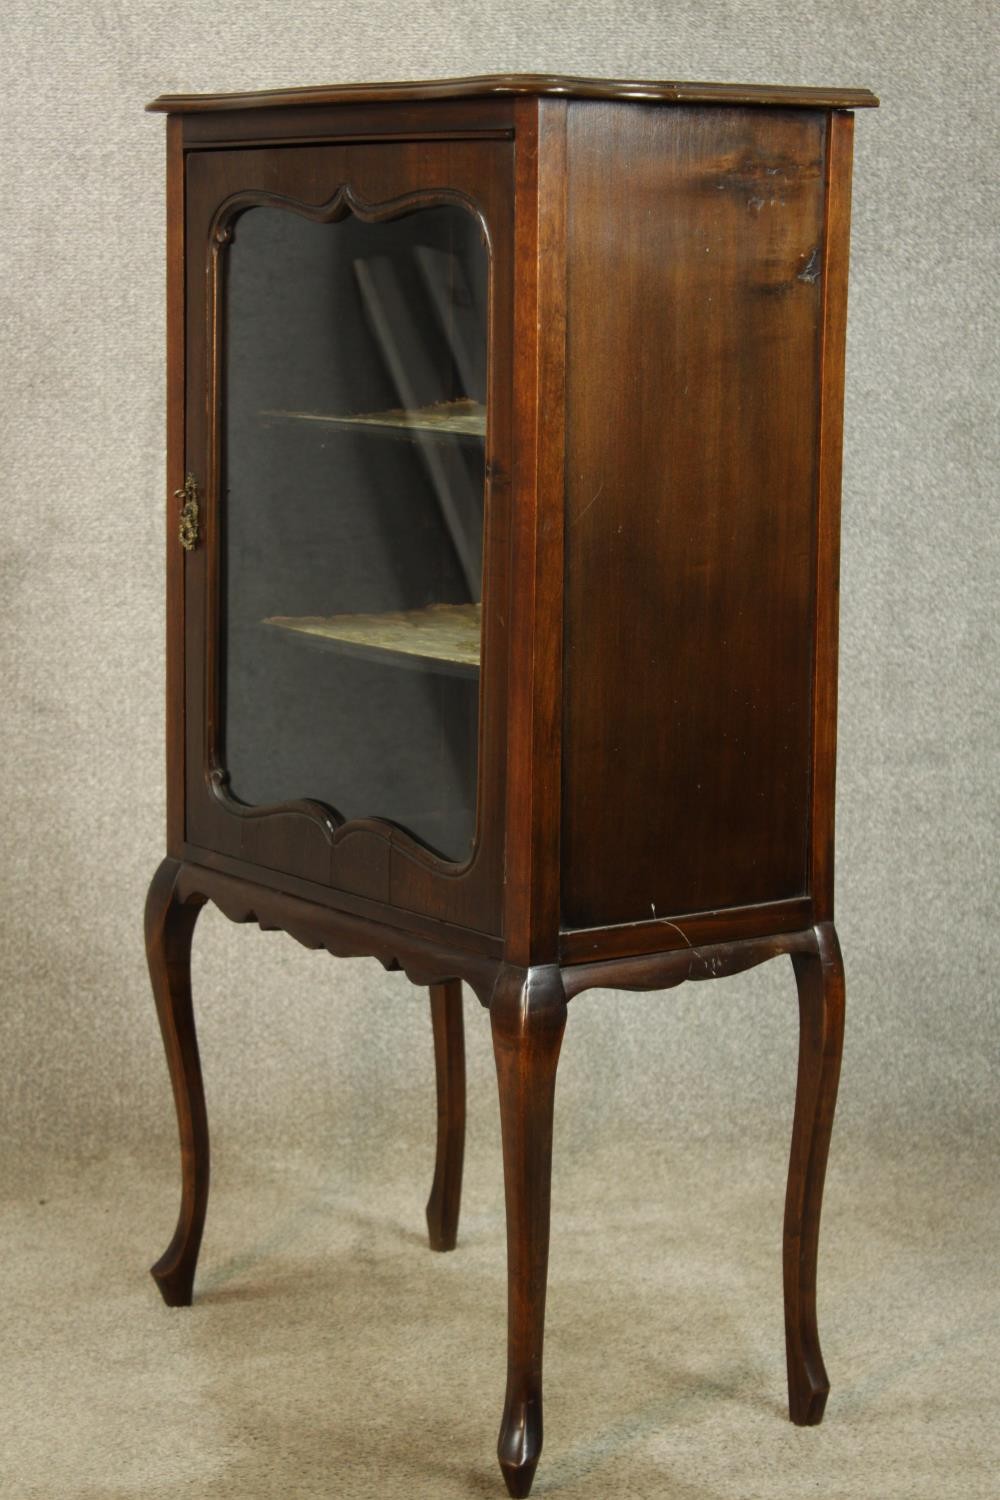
(504, 467)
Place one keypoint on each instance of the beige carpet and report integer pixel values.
(329, 1353)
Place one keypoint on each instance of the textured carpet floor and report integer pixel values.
(329, 1353)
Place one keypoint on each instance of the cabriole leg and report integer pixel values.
(169, 927)
(528, 1014)
(449, 1061)
(820, 979)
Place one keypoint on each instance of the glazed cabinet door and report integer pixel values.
(348, 412)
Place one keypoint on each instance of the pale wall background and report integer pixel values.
(306, 1054)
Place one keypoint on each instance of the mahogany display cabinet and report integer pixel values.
(504, 472)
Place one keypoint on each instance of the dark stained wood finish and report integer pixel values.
(170, 922)
(437, 961)
(532, 84)
(340, 123)
(819, 974)
(528, 1016)
(380, 868)
(449, 1062)
(694, 315)
(446, 936)
(688, 930)
(665, 970)
(176, 379)
(531, 920)
(425, 961)
(827, 588)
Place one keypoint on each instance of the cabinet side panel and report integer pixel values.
(694, 310)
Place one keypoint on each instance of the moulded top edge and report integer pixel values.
(524, 83)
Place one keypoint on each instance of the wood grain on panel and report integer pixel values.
(694, 307)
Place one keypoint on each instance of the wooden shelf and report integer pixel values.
(464, 418)
(441, 637)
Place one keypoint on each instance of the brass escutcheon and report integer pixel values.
(188, 530)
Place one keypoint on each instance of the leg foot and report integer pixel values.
(528, 1014)
(449, 1060)
(169, 927)
(520, 1445)
(820, 979)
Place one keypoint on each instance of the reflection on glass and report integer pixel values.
(353, 476)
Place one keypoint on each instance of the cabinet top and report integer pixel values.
(640, 91)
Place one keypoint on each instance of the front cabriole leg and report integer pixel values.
(528, 1015)
(449, 1061)
(820, 978)
(170, 923)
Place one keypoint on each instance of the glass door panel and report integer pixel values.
(353, 474)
